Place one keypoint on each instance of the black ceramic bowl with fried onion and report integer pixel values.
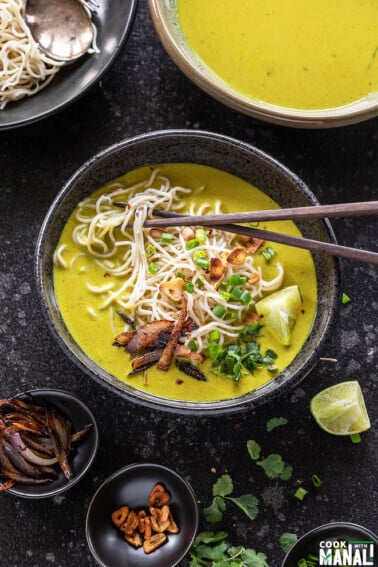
(83, 455)
(227, 154)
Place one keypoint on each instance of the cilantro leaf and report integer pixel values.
(214, 513)
(287, 540)
(248, 503)
(223, 486)
(249, 557)
(345, 299)
(272, 465)
(275, 422)
(253, 449)
(213, 552)
(210, 537)
(286, 473)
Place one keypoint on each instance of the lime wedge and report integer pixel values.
(280, 311)
(340, 409)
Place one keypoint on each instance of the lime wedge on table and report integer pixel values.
(341, 409)
(280, 311)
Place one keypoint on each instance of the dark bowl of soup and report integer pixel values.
(289, 63)
(190, 319)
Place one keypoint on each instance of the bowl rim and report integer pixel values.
(120, 472)
(213, 85)
(323, 528)
(40, 115)
(232, 405)
(63, 394)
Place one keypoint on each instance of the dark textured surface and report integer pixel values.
(144, 91)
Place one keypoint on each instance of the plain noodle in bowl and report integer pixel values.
(24, 69)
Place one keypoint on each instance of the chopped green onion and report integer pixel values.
(199, 254)
(236, 293)
(167, 237)
(153, 268)
(316, 480)
(302, 562)
(232, 315)
(191, 244)
(268, 254)
(254, 224)
(312, 557)
(225, 294)
(245, 297)
(200, 282)
(201, 235)
(219, 310)
(150, 250)
(189, 287)
(180, 275)
(202, 263)
(345, 299)
(300, 493)
(214, 336)
(235, 279)
(223, 286)
(355, 438)
(193, 345)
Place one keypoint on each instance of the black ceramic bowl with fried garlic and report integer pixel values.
(39, 420)
(115, 534)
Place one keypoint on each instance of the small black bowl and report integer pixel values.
(310, 543)
(86, 449)
(132, 486)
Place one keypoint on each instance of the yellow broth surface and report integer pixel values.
(304, 54)
(95, 336)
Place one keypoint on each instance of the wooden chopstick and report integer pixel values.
(311, 212)
(308, 244)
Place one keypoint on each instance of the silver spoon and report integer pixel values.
(62, 28)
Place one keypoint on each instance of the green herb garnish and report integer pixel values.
(210, 549)
(150, 250)
(253, 449)
(345, 299)
(287, 540)
(316, 480)
(202, 263)
(167, 237)
(201, 235)
(300, 493)
(355, 438)
(268, 254)
(219, 310)
(189, 287)
(275, 422)
(222, 490)
(153, 268)
(191, 244)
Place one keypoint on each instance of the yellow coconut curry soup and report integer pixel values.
(304, 54)
(188, 313)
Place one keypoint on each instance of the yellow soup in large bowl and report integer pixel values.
(299, 54)
(241, 308)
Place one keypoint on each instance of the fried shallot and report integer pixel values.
(34, 438)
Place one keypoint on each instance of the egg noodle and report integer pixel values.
(24, 69)
(128, 254)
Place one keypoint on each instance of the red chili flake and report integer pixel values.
(236, 426)
(128, 206)
(262, 458)
(106, 275)
(261, 316)
(179, 382)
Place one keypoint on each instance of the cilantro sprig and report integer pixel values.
(222, 490)
(210, 549)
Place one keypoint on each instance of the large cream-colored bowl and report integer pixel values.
(164, 17)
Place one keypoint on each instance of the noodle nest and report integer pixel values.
(102, 232)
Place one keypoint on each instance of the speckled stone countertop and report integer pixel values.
(145, 91)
